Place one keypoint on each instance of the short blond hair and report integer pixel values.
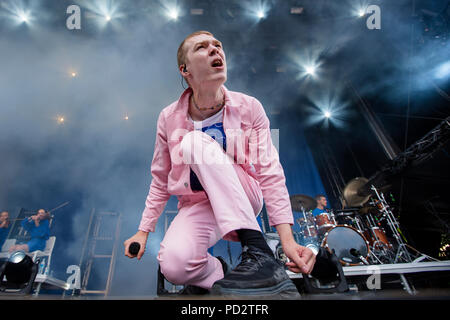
(181, 53)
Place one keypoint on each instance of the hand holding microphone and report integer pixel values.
(134, 248)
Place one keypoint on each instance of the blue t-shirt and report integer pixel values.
(212, 126)
(318, 211)
(216, 132)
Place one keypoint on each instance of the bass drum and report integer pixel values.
(348, 244)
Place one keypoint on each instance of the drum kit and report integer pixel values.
(364, 233)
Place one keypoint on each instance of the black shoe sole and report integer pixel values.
(284, 290)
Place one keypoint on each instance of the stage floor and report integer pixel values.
(416, 281)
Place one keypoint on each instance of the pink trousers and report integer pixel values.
(232, 199)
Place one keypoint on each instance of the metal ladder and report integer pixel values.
(96, 233)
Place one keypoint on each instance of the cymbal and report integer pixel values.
(351, 195)
(300, 200)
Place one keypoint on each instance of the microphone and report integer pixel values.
(134, 248)
(358, 254)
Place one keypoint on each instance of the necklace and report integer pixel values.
(219, 105)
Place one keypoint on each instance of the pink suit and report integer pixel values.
(235, 184)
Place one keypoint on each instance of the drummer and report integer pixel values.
(321, 201)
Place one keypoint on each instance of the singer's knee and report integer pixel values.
(180, 266)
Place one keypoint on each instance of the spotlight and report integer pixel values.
(260, 14)
(443, 71)
(126, 118)
(60, 119)
(311, 70)
(327, 114)
(73, 74)
(23, 17)
(20, 272)
(361, 12)
(173, 14)
(106, 14)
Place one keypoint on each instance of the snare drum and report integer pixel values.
(324, 222)
(348, 243)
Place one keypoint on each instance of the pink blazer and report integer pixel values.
(249, 143)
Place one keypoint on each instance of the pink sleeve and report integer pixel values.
(158, 194)
(269, 172)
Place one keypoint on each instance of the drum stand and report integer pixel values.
(306, 221)
(402, 251)
(380, 252)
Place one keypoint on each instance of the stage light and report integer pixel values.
(173, 13)
(18, 12)
(256, 10)
(106, 14)
(60, 119)
(20, 272)
(126, 118)
(24, 17)
(443, 71)
(311, 70)
(327, 110)
(18, 268)
(361, 12)
(73, 74)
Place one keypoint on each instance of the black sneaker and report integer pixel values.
(258, 274)
(192, 290)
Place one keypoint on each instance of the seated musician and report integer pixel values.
(38, 226)
(321, 205)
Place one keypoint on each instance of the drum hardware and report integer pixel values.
(402, 251)
(375, 234)
(303, 203)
